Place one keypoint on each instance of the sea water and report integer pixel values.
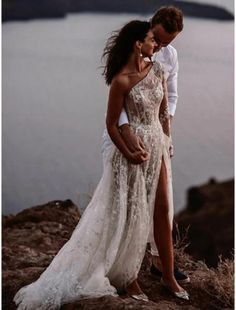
(54, 104)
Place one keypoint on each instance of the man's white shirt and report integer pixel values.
(168, 57)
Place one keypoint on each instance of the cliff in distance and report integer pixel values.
(29, 9)
(209, 218)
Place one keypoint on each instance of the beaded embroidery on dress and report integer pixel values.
(107, 247)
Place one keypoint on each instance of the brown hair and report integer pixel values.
(170, 17)
(120, 45)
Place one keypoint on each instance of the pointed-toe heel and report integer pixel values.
(141, 297)
(182, 294)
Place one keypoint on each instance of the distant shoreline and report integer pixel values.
(28, 9)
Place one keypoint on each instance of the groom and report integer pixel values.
(166, 24)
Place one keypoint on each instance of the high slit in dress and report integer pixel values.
(106, 249)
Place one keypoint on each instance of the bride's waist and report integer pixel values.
(155, 125)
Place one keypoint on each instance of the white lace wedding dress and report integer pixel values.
(107, 247)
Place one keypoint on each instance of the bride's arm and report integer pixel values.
(116, 99)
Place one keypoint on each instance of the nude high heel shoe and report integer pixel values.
(141, 297)
(182, 294)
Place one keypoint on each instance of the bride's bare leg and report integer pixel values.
(133, 288)
(163, 231)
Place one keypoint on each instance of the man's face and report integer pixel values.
(162, 37)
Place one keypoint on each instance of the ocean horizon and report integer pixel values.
(54, 105)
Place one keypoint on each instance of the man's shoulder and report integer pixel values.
(167, 54)
(170, 49)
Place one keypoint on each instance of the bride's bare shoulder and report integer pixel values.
(121, 81)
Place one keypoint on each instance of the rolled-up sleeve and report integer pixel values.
(123, 118)
(172, 84)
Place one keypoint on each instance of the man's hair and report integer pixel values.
(170, 17)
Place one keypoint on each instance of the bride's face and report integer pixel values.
(149, 45)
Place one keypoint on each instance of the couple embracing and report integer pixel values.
(133, 202)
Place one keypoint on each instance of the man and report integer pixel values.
(166, 24)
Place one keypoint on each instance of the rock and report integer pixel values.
(210, 216)
(33, 237)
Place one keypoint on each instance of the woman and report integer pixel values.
(106, 249)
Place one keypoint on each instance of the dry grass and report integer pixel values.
(217, 283)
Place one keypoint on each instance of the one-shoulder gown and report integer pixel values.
(106, 249)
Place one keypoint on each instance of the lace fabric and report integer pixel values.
(107, 247)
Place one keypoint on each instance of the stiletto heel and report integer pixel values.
(182, 294)
(142, 297)
(134, 291)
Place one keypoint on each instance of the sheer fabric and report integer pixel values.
(107, 247)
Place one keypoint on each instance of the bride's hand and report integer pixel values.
(138, 157)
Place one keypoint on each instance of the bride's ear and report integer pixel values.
(138, 45)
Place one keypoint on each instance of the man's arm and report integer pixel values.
(123, 119)
(172, 84)
(172, 88)
(133, 142)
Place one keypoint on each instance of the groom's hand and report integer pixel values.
(138, 157)
(133, 142)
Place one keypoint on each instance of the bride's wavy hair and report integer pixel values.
(120, 45)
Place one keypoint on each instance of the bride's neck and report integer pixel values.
(136, 63)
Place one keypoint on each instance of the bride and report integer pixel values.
(106, 249)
